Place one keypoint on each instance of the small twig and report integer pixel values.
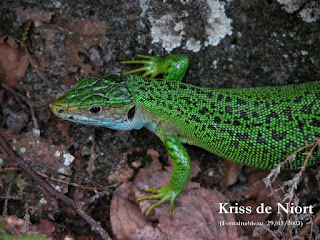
(73, 184)
(100, 187)
(26, 225)
(37, 67)
(5, 205)
(33, 116)
(270, 231)
(94, 198)
(274, 173)
(10, 168)
(21, 163)
(24, 98)
(273, 192)
(291, 185)
(314, 222)
(11, 198)
(93, 156)
(25, 32)
(294, 182)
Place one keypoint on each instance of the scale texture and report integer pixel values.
(257, 127)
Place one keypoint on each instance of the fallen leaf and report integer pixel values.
(127, 221)
(198, 217)
(252, 217)
(46, 227)
(88, 27)
(121, 175)
(258, 188)
(33, 14)
(14, 60)
(156, 164)
(195, 216)
(86, 34)
(15, 227)
(76, 39)
(232, 172)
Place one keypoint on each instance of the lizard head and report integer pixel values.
(100, 101)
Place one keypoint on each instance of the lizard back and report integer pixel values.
(257, 127)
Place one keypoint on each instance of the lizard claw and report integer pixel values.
(153, 66)
(163, 194)
(172, 67)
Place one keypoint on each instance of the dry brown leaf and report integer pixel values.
(254, 216)
(127, 220)
(17, 226)
(156, 164)
(33, 14)
(85, 34)
(232, 172)
(199, 217)
(46, 227)
(121, 175)
(88, 28)
(258, 188)
(195, 216)
(13, 224)
(14, 60)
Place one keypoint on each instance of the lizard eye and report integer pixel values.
(95, 109)
(131, 112)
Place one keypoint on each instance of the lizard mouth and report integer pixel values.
(62, 110)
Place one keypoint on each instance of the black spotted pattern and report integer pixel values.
(258, 127)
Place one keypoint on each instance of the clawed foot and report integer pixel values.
(164, 194)
(172, 67)
(153, 66)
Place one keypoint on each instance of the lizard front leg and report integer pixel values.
(173, 67)
(182, 168)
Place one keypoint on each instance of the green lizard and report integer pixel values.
(257, 127)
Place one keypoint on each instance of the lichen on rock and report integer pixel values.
(171, 30)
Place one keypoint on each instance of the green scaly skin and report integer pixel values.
(257, 127)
